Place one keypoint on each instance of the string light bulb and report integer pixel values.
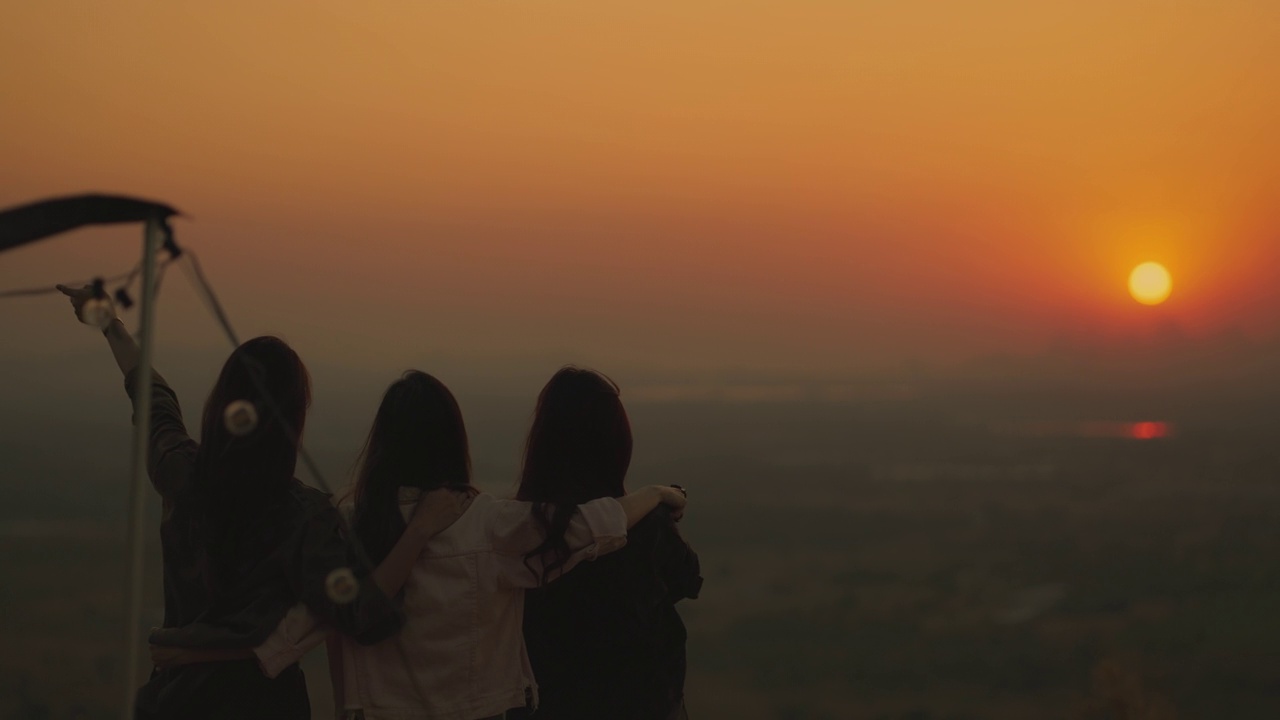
(240, 417)
(97, 312)
(341, 586)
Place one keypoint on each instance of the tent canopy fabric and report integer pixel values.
(38, 220)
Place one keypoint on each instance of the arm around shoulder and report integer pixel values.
(171, 452)
(643, 501)
(325, 562)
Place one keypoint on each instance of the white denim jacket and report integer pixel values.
(461, 654)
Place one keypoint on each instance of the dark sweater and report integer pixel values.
(302, 545)
(605, 640)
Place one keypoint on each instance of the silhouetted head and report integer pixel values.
(243, 471)
(417, 440)
(579, 447)
(578, 450)
(270, 376)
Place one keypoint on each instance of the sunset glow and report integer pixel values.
(761, 170)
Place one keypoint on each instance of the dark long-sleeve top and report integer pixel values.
(309, 546)
(606, 640)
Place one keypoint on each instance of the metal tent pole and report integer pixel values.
(151, 239)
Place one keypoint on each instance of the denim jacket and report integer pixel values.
(461, 654)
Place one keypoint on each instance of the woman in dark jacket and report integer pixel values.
(605, 641)
(242, 539)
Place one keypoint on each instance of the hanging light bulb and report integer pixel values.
(341, 586)
(241, 417)
(97, 312)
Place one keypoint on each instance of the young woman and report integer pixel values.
(242, 540)
(461, 654)
(606, 641)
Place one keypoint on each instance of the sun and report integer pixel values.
(1150, 283)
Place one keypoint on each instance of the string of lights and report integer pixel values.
(39, 220)
(240, 419)
(127, 277)
(98, 314)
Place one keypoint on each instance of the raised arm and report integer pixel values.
(171, 454)
(123, 347)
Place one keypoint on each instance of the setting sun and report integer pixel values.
(1150, 283)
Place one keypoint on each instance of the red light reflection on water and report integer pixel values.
(1145, 430)
(1148, 430)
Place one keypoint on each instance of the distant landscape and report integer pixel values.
(875, 558)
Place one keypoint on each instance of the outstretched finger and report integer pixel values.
(72, 292)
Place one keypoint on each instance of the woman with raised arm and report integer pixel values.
(243, 540)
(606, 641)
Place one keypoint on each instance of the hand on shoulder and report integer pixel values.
(440, 508)
(673, 497)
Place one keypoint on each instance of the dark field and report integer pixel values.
(859, 564)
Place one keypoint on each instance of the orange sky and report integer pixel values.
(800, 186)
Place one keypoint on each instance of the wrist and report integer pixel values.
(660, 493)
(113, 326)
(421, 532)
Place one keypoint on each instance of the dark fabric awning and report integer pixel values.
(35, 221)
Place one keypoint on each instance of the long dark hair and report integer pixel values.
(417, 440)
(579, 449)
(242, 475)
